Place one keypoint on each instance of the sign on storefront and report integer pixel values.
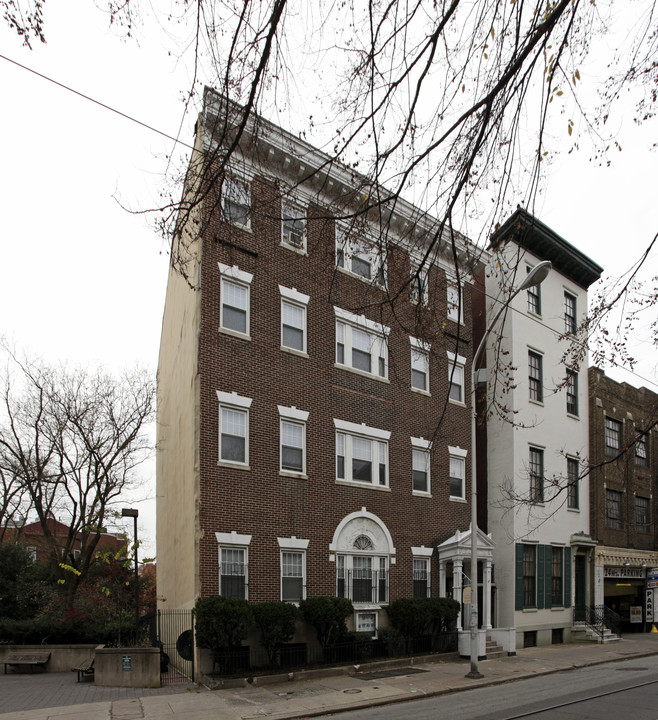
(624, 572)
(636, 613)
(649, 604)
(652, 578)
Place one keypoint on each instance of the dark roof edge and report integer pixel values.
(532, 234)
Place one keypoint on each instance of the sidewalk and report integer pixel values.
(332, 691)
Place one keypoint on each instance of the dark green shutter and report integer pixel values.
(567, 577)
(548, 575)
(519, 577)
(540, 575)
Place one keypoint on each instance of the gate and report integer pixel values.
(175, 636)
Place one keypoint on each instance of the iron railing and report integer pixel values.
(599, 618)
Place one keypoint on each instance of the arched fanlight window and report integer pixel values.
(363, 542)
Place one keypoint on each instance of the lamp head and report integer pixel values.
(129, 512)
(537, 275)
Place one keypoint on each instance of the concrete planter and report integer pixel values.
(137, 667)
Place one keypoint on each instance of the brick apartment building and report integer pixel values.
(313, 426)
(623, 491)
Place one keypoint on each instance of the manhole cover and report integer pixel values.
(389, 673)
(351, 691)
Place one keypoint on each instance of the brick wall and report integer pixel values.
(261, 502)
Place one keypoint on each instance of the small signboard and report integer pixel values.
(127, 663)
(467, 595)
(652, 578)
(636, 613)
(649, 603)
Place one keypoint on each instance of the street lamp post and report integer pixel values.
(133, 513)
(535, 277)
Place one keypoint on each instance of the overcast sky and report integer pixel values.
(83, 280)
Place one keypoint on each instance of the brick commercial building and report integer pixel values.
(313, 427)
(623, 491)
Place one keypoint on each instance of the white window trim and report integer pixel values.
(293, 297)
(458, 315)
(292, 544)
(358, 613)
(377, 261)
(423, 278)
(237, 179)
(424, 446)
(420, 347)
(376, 435)
(457, 361)
(237, 402)
(459, 453)
(296, 206)
(234, 275)
(233, 541)
(298, 417)
(370, 327)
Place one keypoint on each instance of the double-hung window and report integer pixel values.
(642, 514)
(233, 564)
(361, 454)
(569, 313)
(420, 365)
(421, 577)
(613, 516)
(454, 299)
(456, 365)
(234, 300)
(535, 380)
(457, 473)
(573, 480)
(418, 289)
(361, 344)
(641, 449)
(293, 569)
(293, 226)
(420, 465)
(236, 201)
(233, 428)
(529, 576)
(292, 423)
(536, 473)
(293, 319)
(572, 392)
(359, 256)
(534, 297)
(612, 436)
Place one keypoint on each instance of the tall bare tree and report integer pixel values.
(72, 442)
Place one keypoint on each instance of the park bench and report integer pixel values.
(31, 659)
(86, 667)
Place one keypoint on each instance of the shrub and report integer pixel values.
(277, 622)
(423, 617)
(327, 615)
(221, 622)
(394, 641)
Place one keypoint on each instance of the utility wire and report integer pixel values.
(191, 147)
(97, 102)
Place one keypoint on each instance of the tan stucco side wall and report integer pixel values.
(177, 431)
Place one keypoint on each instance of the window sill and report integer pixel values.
(240, 226)
(362, 373)
(426, 393)
(292, 351)
(573, 510)
(365, 486)
(366, 280)
(458, 403)
(233, 465)
(530, 610)
(299, 251)
(420, 493)
(457, 321)
(291, 474)
(557, 608)
(536, 402)
(454, 498)
(572, 416)
(234, 333)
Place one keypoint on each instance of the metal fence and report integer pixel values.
(173, 632)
